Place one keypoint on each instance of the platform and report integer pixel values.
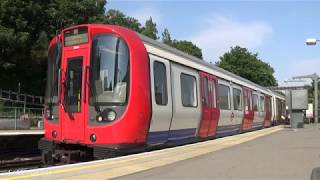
(21, 132)
(126, 165)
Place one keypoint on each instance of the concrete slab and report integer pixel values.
(121, 166)
(288, 154)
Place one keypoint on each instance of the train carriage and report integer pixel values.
(110, 89)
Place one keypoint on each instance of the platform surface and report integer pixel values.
(172, 157)
(21, 132)
(287, 154)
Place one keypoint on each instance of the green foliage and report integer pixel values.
(116, 17)
(166, 38)
(26, 27)
(64, 13)
(247, 65)
(188, 47)
(185, 46)
(150, 29)
(310, 89)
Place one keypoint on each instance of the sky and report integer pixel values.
(276, 30)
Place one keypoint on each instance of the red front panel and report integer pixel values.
(132, 126)
(129, 128)
(248, 111)
(210, 110)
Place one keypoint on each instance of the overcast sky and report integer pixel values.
(277, 30)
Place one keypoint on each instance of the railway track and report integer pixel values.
(20, 163)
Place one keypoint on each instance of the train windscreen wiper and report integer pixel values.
(94, 94)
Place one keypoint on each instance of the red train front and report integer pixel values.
(97, 90)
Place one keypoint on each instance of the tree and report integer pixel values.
(116, 17)
(150, 29)
(166, 38)
(247, 65)
(26, 28)
(187, 47)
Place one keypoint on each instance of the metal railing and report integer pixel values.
(21, 118)
(27, 99)
(20, 111)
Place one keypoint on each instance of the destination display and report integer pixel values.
(76, 36)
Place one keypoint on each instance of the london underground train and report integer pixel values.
(110, 89)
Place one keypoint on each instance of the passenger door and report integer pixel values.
(161, 100)
(262, 108)
(215, 110)
(73, 116)
(237, 105)
(210, 111)
(248, 110)
(226, 115)
(206, 102)
(267, 120)
(257, 120)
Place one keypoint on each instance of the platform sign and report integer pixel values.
(309, 112)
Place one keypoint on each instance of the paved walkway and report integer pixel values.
(121, 166)
(272, 153)
(286, 154)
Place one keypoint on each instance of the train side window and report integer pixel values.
(255, 102)
(160, 83)
(214, 101)
(237, 105)
(245, 102)
(224, 95)
(262, 103)
(188, 90)
(206, 91)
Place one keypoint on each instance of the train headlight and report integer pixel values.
(54, 134)
(93, 138)
(99, 118)
(111, 115)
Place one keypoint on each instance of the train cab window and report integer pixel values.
(237, 104)
(206, 91)
(72, 95)
(109, 74)
(214, 101)
(255, 102)
(188, 90)
(262, 104)
(224, 95)
(160, 83)
(54, 63)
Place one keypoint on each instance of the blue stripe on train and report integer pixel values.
(173, 135)
(228, 130)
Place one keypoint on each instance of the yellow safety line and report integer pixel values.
(187, 152)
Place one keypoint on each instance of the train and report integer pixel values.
(111, 90)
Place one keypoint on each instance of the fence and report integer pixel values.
(25, 99)
(20, 111)
(21, 118)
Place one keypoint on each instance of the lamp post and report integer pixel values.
(314, 77)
